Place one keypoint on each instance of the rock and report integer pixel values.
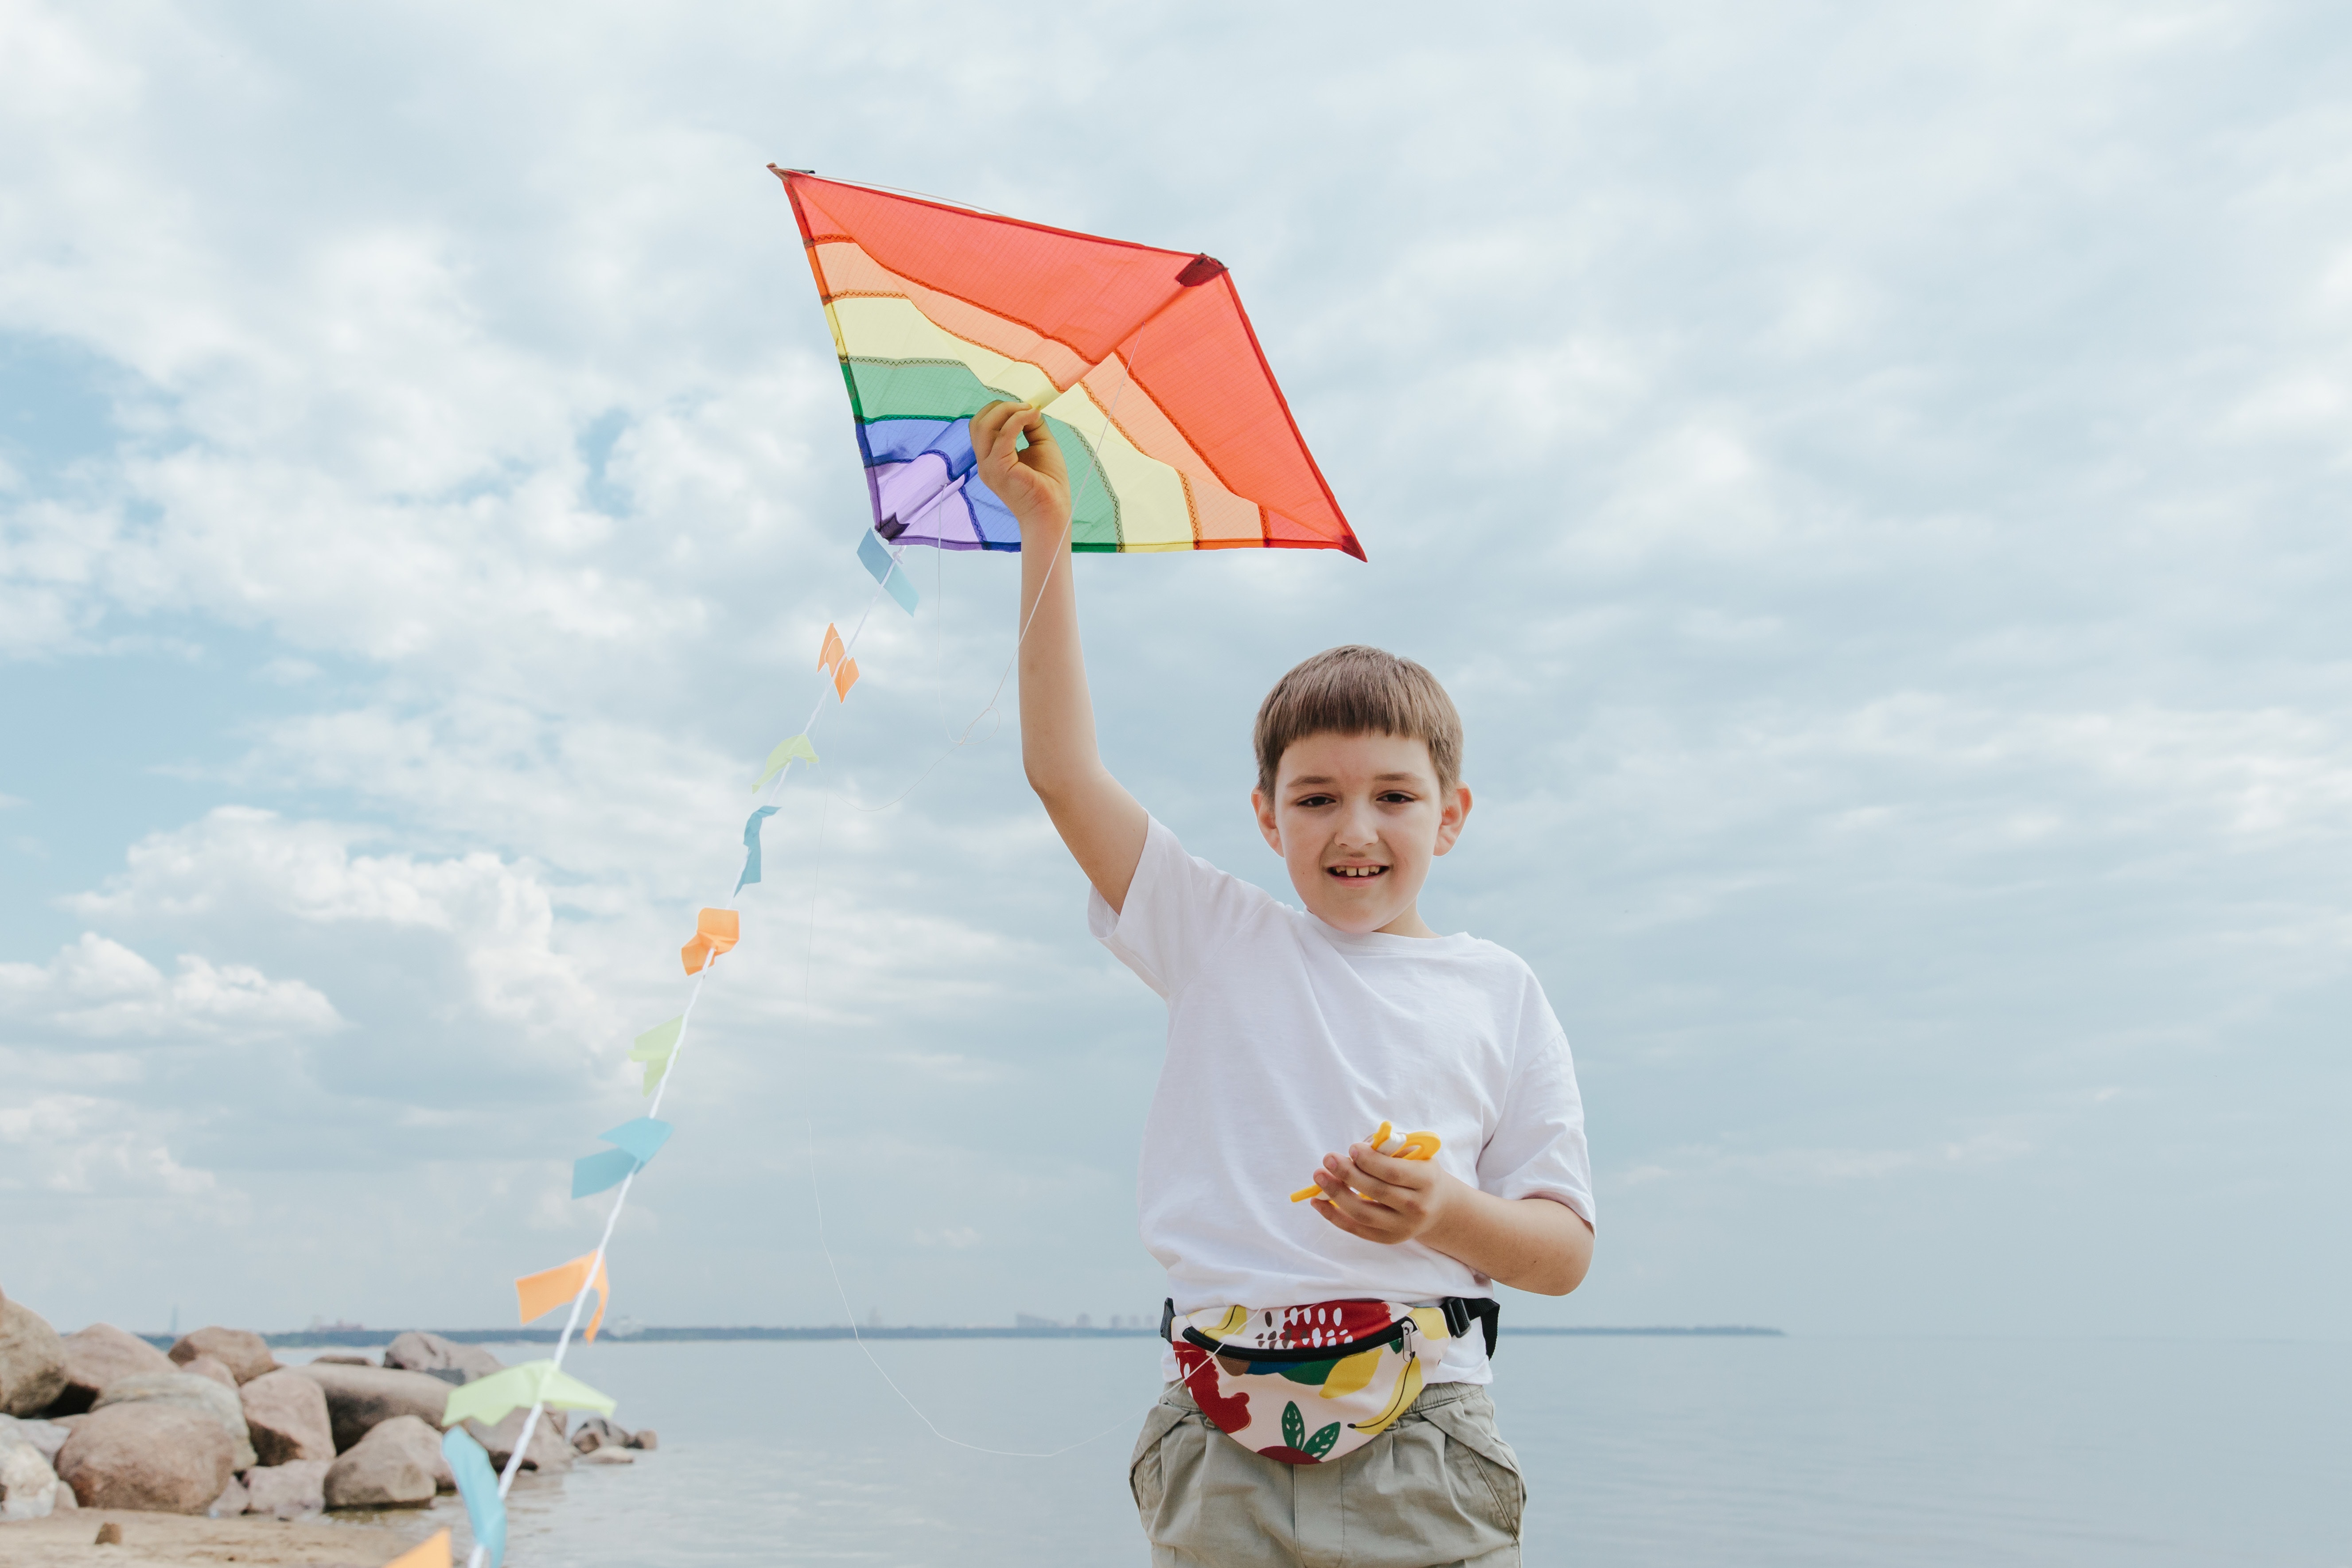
(109, 1534)
(643, 1437)
(594, 1432)
(49, 1436)
(207, 1366)
(245, 1354)
(362, 1397)
(28, 1487)
(192, 1392)
(287, 1490)
(286, 1416)
(340, 1360)
(549, 1450)
(392, 1467)
(609, 1457)
(229, 1504)
(148, 1454)
(416, 1352)
(101, 1354)
(32, 1362)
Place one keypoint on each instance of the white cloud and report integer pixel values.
(78, 1145)
(101, 990)
(493, 922)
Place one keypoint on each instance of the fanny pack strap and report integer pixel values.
(1460, 1311)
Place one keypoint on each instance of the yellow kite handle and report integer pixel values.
(1417, 1146)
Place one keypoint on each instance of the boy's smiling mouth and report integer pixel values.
(1355, 873)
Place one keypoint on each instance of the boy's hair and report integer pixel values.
(1358, 690)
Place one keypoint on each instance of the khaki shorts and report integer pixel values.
(1438, 1490)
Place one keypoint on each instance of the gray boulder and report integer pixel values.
(286, 1416)
(245, 1353)
(360, 1398)
(189, 1392)
(32, 1362)
(392, 1467)
(208, 1366)
(28, 1487)
(551, 1449)
(49, 1436)
(289, 1490)
(595, 1433)
(148, 1454)
(99, 1354)
(418, 1352)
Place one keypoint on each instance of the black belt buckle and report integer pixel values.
(1457, 1316)
(1168, 1319)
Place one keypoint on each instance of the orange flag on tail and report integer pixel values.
(716, 931)
(535, 1295)
(431, 1553)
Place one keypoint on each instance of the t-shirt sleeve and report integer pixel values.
(1178, 910)
(1538, 1148)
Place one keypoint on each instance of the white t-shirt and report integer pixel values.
(1289, 1039)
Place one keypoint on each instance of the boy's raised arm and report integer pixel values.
(1103, 825)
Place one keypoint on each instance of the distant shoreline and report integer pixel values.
(320, 1339)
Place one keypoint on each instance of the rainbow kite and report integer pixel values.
(1141, 360)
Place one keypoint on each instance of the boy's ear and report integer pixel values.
(1263, 809)
(1450, 820)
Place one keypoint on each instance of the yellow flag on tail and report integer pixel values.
(488, 1399)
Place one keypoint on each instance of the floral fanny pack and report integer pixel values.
(1309, 1384)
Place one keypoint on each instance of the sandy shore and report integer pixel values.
(171, 1541)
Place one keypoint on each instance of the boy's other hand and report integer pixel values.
(1034, 481)
(1533, 1243)
(1380, 1198)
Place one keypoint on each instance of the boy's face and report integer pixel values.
(1358, 819)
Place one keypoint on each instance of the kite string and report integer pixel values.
(816, 1198)
(661, 1088)
(773, 791)
(817, 1193)
(595, 1269)
(596, 1259)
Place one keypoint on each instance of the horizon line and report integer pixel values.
(323, 1338)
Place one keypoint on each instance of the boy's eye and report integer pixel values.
(1316, 799)
(1397, 797)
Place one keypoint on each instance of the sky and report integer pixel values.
(1873, 477)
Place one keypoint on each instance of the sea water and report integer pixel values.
(1682, 1453)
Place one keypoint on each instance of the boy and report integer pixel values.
(1324, 1400)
